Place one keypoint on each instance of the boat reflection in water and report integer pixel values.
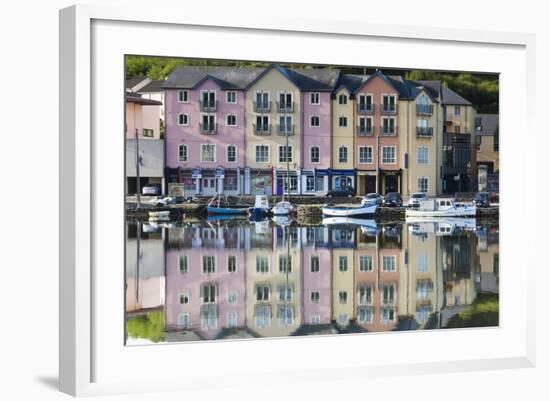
(225, 279)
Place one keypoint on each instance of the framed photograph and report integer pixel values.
(278, 200)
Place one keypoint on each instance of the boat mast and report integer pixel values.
(287, 153)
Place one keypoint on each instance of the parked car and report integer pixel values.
(416, 198)
(341, 191)
(482, 199)
(151, 189)
(162, 201)
(393, 199)
(373, 197)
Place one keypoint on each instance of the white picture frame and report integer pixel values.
(93, 359)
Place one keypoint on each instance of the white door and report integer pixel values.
(208, 186)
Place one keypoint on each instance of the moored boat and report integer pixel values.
(224, 207)
(349, 211)
(441, 207)
(283, 208)
(159, 215)
(261, 207)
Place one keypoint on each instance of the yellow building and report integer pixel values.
(487, 142)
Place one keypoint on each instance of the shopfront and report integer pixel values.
(285, 179)
(258, 182)
(343, 178)
(314, 182)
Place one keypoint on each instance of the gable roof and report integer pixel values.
(132, 97)
(153, 86)
(447, 95)
(351, 82)
(225, 77)
(487, 123)
(132, 82)
(396, 82)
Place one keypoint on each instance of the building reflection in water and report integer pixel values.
(239, 279)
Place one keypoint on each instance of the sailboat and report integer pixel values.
(224, 209)
(261, 207)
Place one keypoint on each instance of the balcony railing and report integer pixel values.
(388, 131)
(262, 129)
(285, 130)
(208, 106)
(425, 109)
(424, 131)
(208, 129)
(285, 107)
(365, 131)
(262, 107)
(388, 109)
(364, 108)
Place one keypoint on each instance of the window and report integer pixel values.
(285, 154)
(183, 96)
(148, 132)
(314, 98)
(262, 264)
(320, 183)
(262, 315)
(388, 103)
(388, 263)
(314, 154)
(457, 110)
(208, 153)
(343, 297)
(423, 289)
(422, 262)
(232, 319)
(365, 263)
(184, 298)
(388, 294)
(209, 317)
(231, 97)
(388, 154)
(365, 154)
(422, 184)
(343, 263)
(310, 183)
(285, 314)
(231, 153)
(183, 264)
(342, 99)
(314, 263)
(365, 315)
(182, 153)
(387, 314)
(422, 155)
(231, 263)
(315, 319)
(183, 119)
(208, 293)
(262, 154)
(285, 264)
(365, 295)
(343, 318)
(314, 121)
(232, 297)
(262, 124)
(314, 297)
(183, 320)
(285, 125)
(343, 154)
(365, 125)
(262, 293)
(285, 101)
(231, 120)
(208, 100)
(343, 122)
(388, 126)
(285, 293)
(208, 264)
(365, 103)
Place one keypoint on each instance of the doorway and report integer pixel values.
(208, 186)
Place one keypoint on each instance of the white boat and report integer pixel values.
(160, 215)
(367, 226)
(282, 220)
(261, 206)
(441, 207)
(348, 211)
(440, 225)
(283, 208)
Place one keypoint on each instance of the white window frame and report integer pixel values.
(315, 94)
(346, 99)
(347, 154)
(227, 97)
(291, 153)
(388, 95)
(268, 154)
(228, 299)
(318, 301)
(227, 154)
(180, 319)
(394, 124)
(345, 259)
(263, 294)
(311, 257)
(394, 154)
(233, 324)
(319, 154)
(184, 294)
(393, 266)
(427, 184)
(214, 258)
(359, 154)
(311, 122)
(340, 119)
(186, 91)
(214, 91)
(183, 115)
(268, 264)
(236, 263)
(183, 146)
(371, 263)
(227, 120)
(418, 160)
(366, 95)
(289, 92)
(215, 156)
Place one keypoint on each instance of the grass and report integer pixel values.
(149, 326)
(483, 312)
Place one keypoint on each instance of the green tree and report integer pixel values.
(148, 326)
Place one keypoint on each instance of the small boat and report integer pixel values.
(367, 226)
(159, 215)
(261, 207)
(282, 220)
(225, 208)
(223, 217)
(440, 225)
(283, 208)
(349, 211)
(441, 207)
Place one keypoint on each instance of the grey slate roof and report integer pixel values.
(133, 81)
(314, 79)
(153, 86)
(225, 77)
(488, 124)
(132, 97)
(448, 96)
(351, 82)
